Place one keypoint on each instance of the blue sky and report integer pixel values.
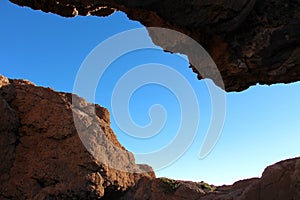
(261, 126)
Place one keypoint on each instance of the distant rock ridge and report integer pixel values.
(42, 157)
(280, 181)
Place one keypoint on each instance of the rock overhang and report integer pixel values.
(252, 42)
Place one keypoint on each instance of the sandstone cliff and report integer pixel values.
(42, 156)
(250, 41)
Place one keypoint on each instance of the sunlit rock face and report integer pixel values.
(250, 41)
(42, 156)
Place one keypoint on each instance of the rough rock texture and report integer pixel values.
(279, 181)
(42, 156)
(250, 41)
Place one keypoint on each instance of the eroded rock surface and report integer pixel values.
(42, 156)
(250, 41)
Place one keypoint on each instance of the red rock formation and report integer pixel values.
(42, 156)
(250, 41)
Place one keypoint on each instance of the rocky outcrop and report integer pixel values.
(250, 41)
(279, 181)
(42, 156)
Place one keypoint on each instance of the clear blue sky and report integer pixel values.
(261, 127)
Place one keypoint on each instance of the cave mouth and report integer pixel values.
(51, 47)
